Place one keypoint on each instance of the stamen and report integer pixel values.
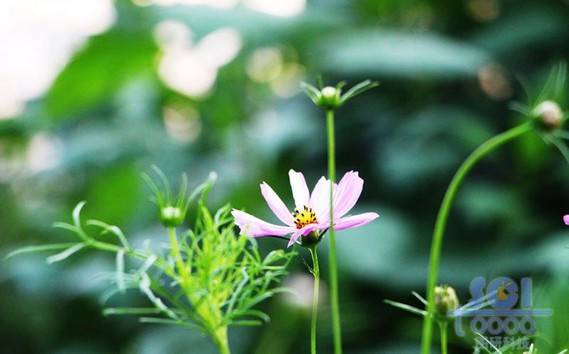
(304, 217)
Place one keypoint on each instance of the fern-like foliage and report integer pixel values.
(208, 278)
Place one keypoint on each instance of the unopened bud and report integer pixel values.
(549, 114)
(172, 216)
(330, 97)
(445, 300)
(311, 240)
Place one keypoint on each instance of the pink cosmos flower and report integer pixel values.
(566, 219)
(312, 210)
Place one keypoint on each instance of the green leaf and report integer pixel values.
(44, 248)
(107, 62)
(71, 228)
(120, 270)
(312, 92)
(522, 30)
(166, 321)
(115, 230)
(247, 323)
(401, 54)
(77, 214)
(358, 89)
(112, 311)
(65, 254)
(406, 307)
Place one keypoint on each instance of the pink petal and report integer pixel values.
(255, 227)
(276, 204)
(299, 189)
(348, 193)
(566, 219)
(355, 221)
(301, 232)
(320, 200)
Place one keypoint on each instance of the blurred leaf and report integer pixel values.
(273, 131)
(404, 54)
(97, 71)
(432, 144)
(482, 203)
(205, 19)
(553, 331)
(525, 30)
(553, 254)
(114, 193)
(376, 251)
(532, 150)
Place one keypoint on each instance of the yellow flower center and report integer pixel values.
(304, 217)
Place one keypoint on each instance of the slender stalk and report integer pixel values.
(219, 334)
(484, 149)
(315, 295)
(175, 251)
(333, 267)
(443, 326)
(221, 342)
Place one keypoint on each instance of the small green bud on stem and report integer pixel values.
(330, 98)
(445, 300)
(549, 114)
(171, 216)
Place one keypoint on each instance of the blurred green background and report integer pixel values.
(93, 92)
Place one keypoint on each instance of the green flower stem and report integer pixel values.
(333, 267)
(221, 342)
(484, 149)
(315, 294)
(218, 334)
(443, 325)
(175, 251)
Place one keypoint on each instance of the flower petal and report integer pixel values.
(355, 221)
(299, 189)
(301, 232)
(276, 204)
(348, 193)
(566, 219)
(320, 200)
(255, 227)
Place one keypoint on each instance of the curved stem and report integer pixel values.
(315, 295)
(333, 268)
(484, 149)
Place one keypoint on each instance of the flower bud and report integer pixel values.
(311, 240)
(172, 216)
(445, 300)
(549, 114)
(330, 97)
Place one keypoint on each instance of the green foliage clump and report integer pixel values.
(208, 278)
